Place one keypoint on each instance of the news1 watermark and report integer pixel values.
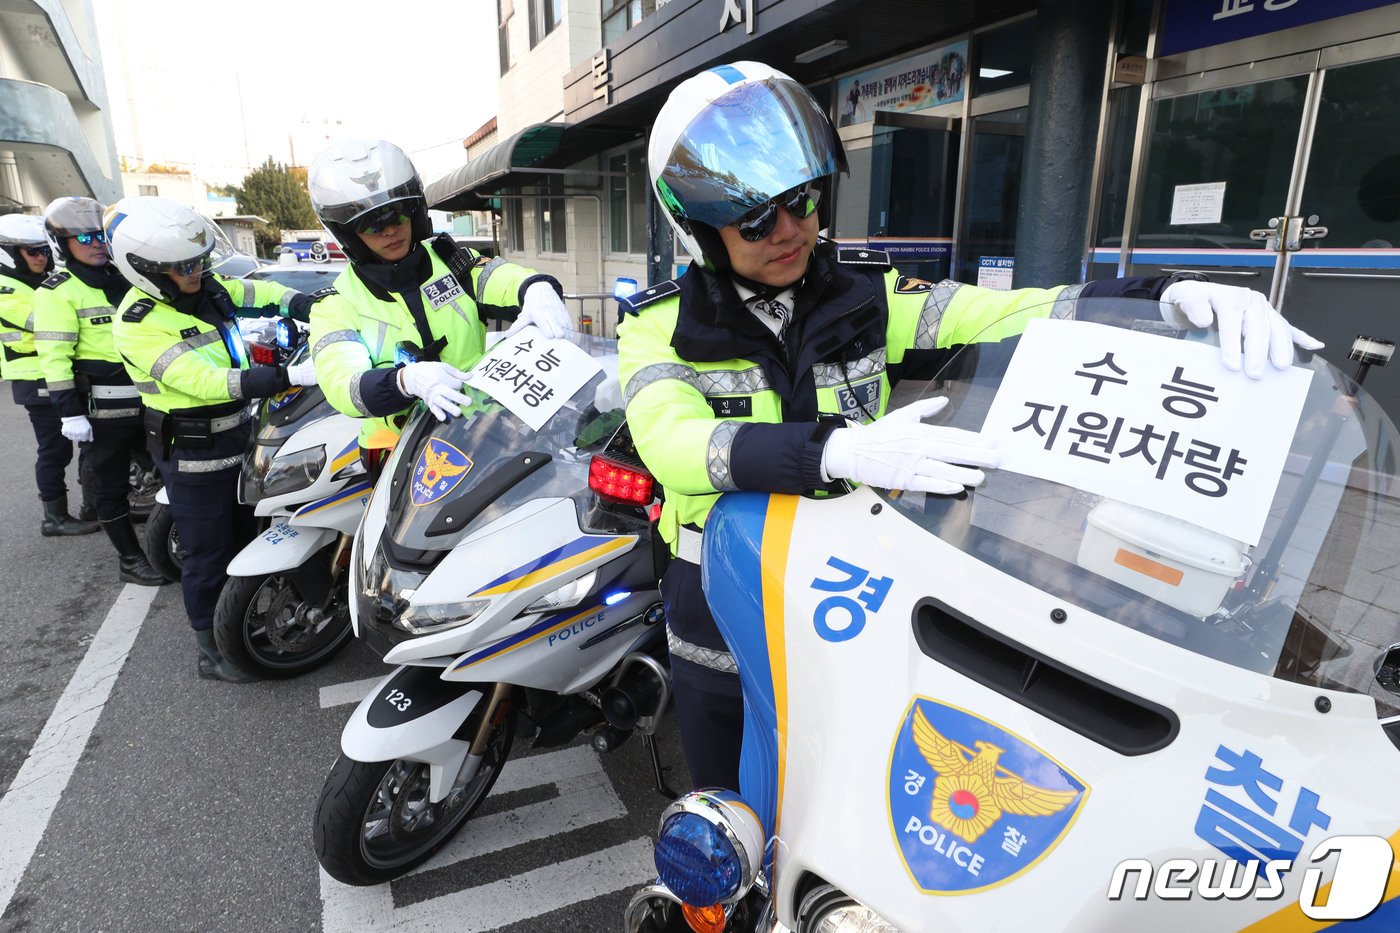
(1361, 869)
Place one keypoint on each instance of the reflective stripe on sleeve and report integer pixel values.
(356, 398)
(485, 274)
(235, 383)
(717, 456)
(335, 336)
(926, 333)
(63, 335)
(1065, 302)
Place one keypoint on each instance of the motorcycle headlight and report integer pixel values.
(290, 472)
(436, 617)
(827, 909)
(709, 848)
(570, 594)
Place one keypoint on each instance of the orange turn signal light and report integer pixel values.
(705, 919)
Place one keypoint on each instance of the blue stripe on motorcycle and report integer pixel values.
(537, 631)
(577, 546)
(351, 492)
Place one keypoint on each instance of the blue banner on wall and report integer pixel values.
(1195, 24)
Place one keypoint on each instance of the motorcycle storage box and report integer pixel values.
(1165, 558)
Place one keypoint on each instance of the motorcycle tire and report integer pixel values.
(261, 626)
(162, 542)
(374, 822)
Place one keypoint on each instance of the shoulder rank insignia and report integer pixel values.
(55, 280)
(862, 256)
(138, 310)
(908, 285)
(633, 304)
(6, 290)
(320, 293)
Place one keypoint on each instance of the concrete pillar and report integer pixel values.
(1067, 85)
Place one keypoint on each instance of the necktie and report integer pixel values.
(776, 310)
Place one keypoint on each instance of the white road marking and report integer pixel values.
(491, 906)
(586, 797)
(28, 805)
(350, 692)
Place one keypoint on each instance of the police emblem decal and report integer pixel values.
(439, 469)
(283, 399)
(972, 805)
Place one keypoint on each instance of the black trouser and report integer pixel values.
(213, 528)
(106, 463)
(709, 703)
(55, 451)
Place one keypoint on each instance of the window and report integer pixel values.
(1004, 57)
(515, 224)
(147, 190)
(621, 15)
(504, 9)
(544, 16)
(627, 201)
(553, 238)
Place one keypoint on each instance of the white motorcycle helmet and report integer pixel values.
(353, 179)
(17, 230)
(150, 237)
(730, 139)
(71, 216)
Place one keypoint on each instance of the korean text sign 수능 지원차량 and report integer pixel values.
(531, 376)
(1157, 424)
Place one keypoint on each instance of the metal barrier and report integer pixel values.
(604, 321)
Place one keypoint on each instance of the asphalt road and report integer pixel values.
(139, 797)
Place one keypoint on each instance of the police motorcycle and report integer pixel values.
(284, 609)
(508, 566)
(1146, 676)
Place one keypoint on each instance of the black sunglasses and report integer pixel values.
(36, 250)
(758, 224)
(86, 238)
(189, 266)
(381, 220)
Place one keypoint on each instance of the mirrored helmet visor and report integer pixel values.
(751, 144)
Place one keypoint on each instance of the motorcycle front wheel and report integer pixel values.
(264, 626)
(375, 821)
(163, 542)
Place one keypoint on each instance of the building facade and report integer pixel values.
(1003, 142)
(55, 130)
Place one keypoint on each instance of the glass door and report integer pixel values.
(1342, 273)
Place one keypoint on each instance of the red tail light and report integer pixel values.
(616, 481)
(263, 355)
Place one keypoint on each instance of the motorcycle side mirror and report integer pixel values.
(1388, 670)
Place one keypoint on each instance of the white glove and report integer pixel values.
(900, 452)
(1243, 315)
(437, 384)
(302, 374)
(77, 428)
(545, 309)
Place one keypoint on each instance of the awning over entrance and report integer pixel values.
(523, 159)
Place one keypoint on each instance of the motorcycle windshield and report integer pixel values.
(1131, 510)
(448, 478)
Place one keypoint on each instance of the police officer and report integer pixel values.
(98, 405)
(26, 259)
(746, 372)
(410, 313)
(177, 332)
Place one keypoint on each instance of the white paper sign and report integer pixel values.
(1159, 424)
(531, 376)
(995, 272)
(1198, 204)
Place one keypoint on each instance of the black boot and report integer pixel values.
(213, 665)
(58, 523)
(134, 566)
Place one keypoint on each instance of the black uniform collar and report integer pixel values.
(32, 279)
(406, 275)
(105, 278)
